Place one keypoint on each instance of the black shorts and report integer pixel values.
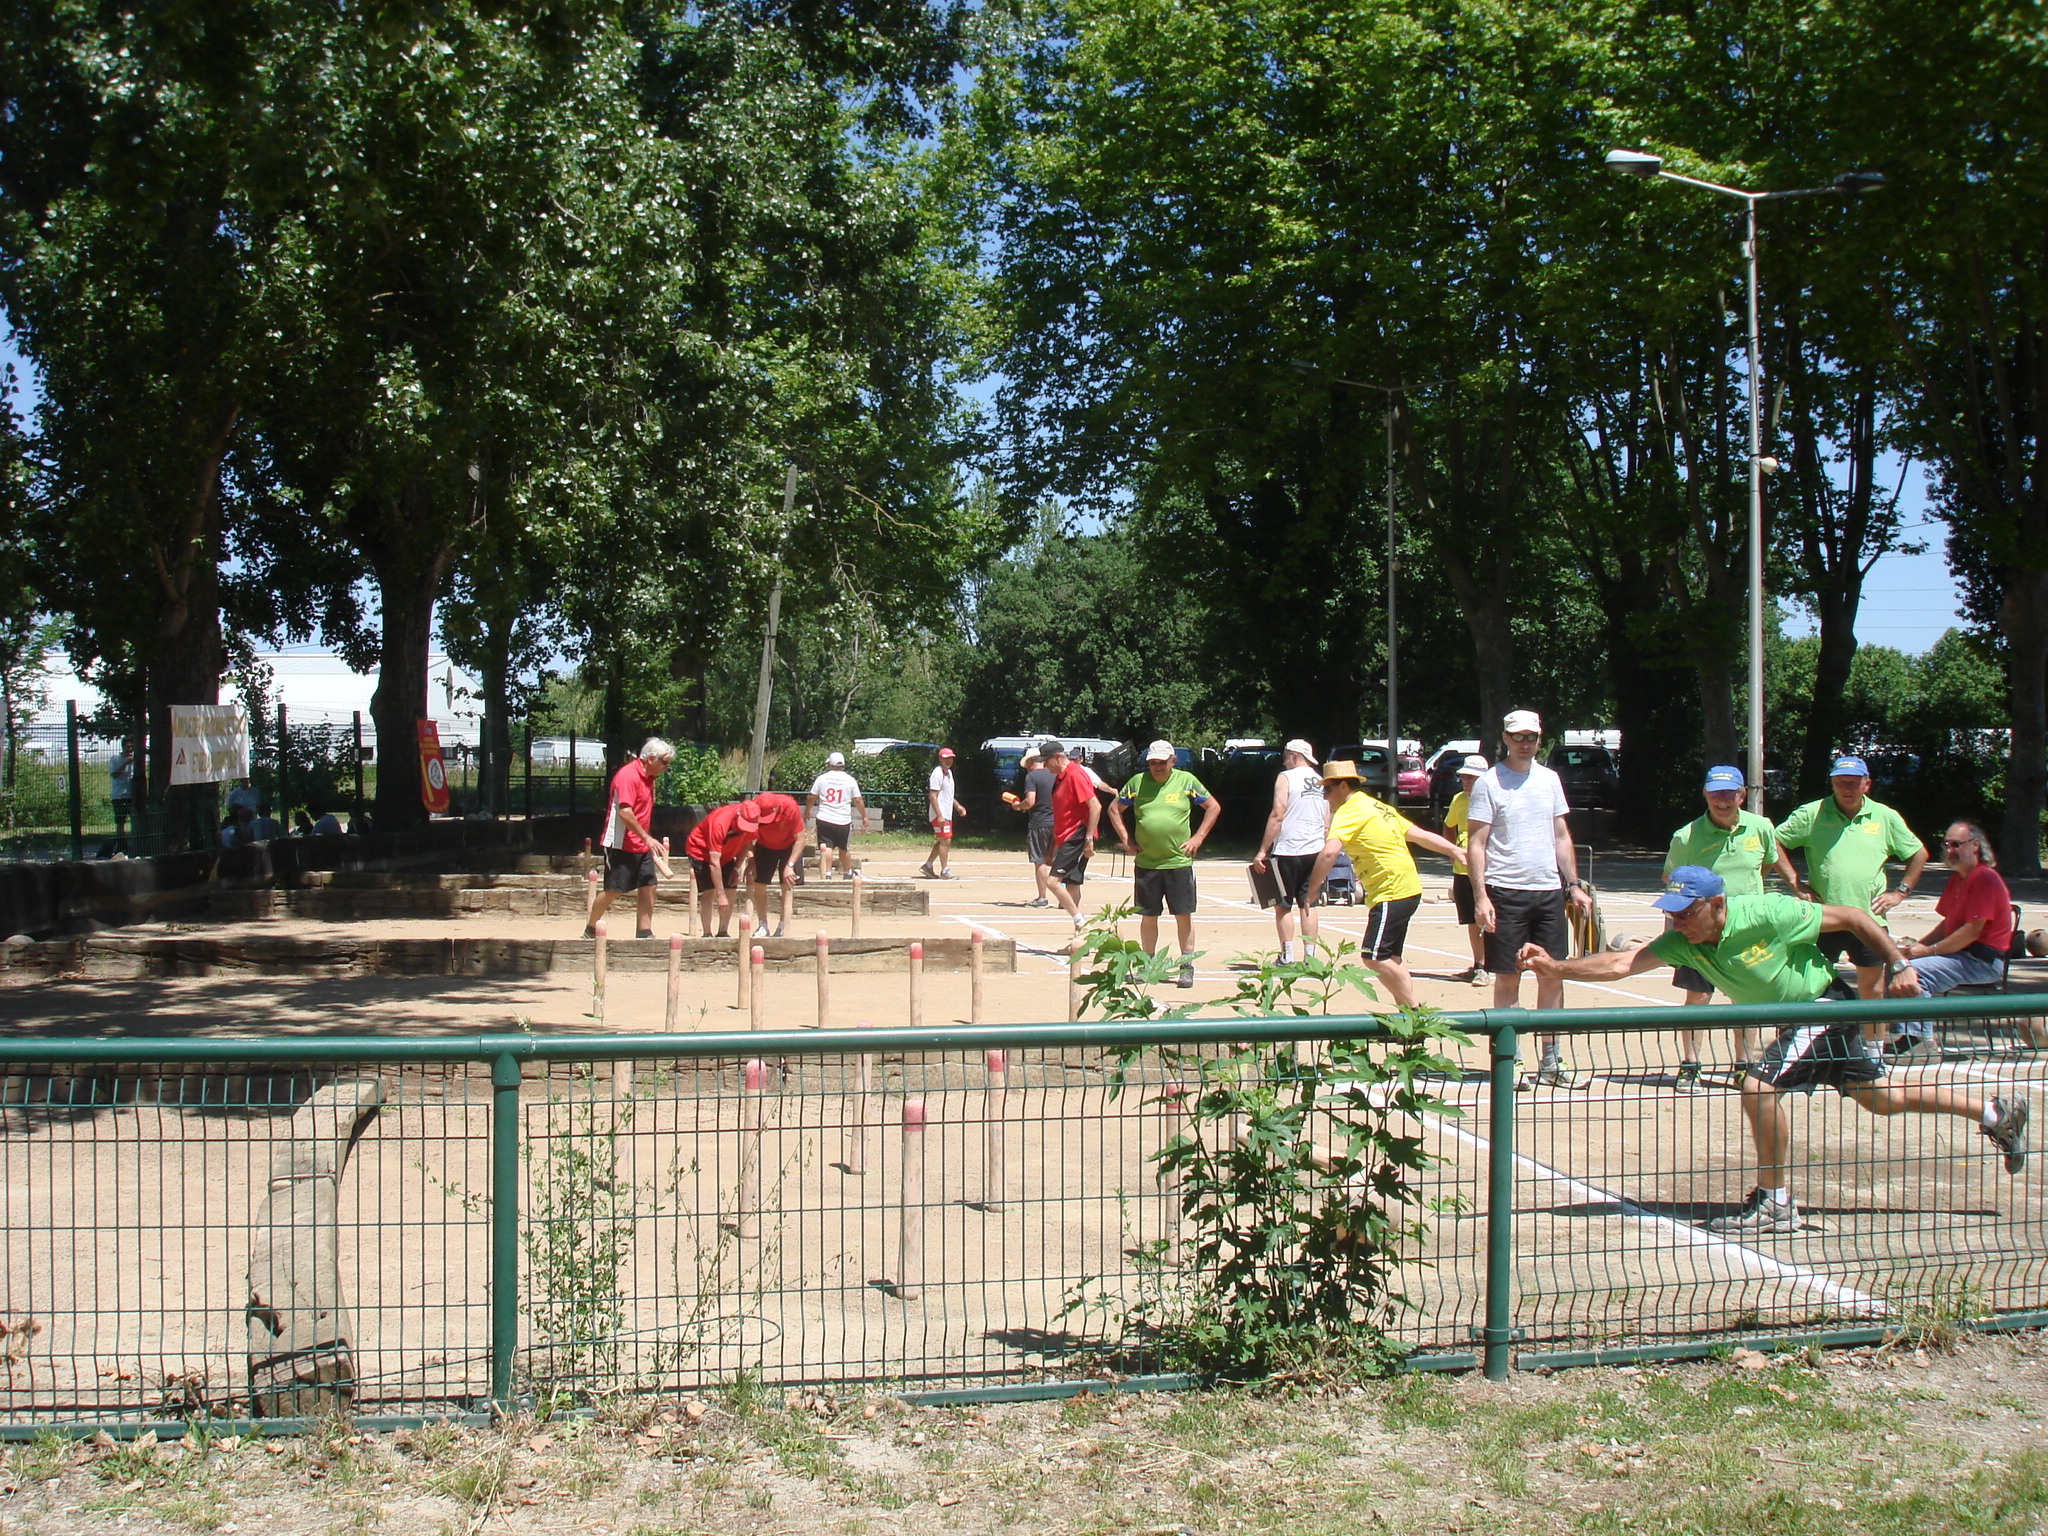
(1069, 863)
(625, 871)
(1809, 1055)
(1461, 898)
(1038, 842)
(1690, 980)
(1525, 917)
(1290, 875)
(769, 862)
(1174, 889)
(1386, 928)
(1836, 945)
(835, 834)
(728, 873)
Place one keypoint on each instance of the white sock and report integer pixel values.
(1782, 1195)
(1990, 1115)
(1286, 954)
(1308, 949)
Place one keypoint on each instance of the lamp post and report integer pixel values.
(1637, 163)
(1393, 566)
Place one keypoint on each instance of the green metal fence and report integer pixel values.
(215, 1227)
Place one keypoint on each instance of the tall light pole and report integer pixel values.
(1635, 162)
(1389, 391)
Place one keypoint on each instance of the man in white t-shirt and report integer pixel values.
(833, 799)
(1296, 829)
(1519, 848)
(942, 808)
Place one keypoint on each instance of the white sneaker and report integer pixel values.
(1287, 954)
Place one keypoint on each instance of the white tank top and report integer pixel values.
(1305, 824)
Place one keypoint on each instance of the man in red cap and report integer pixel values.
(778, 823)
(715, 847)
(943, 808)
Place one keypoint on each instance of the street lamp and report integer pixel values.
(1393, 564)
(1638, 163)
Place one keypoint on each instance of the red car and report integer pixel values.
(1411, 783)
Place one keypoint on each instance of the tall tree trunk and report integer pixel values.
(494, 786)
(1836, 608)
(408, 579)
(1717, 707)
(185, 670)
(1483, 604)
(2023, 616)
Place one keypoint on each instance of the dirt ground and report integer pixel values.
(1898, 1441)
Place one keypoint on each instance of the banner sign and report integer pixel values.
(209, 742)
(433, 772)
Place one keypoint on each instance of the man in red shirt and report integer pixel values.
(1969, 945)
(1076, 814)
(781, 822)
(629, 862)
(715, 846)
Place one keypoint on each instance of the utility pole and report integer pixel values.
(764, 691)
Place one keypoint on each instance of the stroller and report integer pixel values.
(1341, 884)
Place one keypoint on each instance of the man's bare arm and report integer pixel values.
(1602, 965)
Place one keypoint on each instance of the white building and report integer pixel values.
(315, 687)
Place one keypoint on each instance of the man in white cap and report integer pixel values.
(1162, 801)
(1455, 817)
(1524, 869)
(834, 797)
(1296, 829)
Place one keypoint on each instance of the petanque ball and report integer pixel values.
(2037, 942)
(1620, 941)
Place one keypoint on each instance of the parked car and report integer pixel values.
(1442, 766)
(1372, 763)
(1411, 779)
(1589, 774)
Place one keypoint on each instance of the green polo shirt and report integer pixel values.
(1737, 855)
(1846, 855)
(1766, 953)
(1163, 811)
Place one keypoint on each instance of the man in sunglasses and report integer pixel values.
(1524, 869)
(1767, 949)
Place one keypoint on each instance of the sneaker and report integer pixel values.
(760, 930)
(1759, 1213)
(1286, 954)
(1038, 902)
(2008, 1131)
(1913, 1050)
(926, 871)
(1552, 1073)
(1688, 1077)
(778, 930)
(1469, 973)
(644, 933)
(1187, 975)
(1480, 976)
(589, 932)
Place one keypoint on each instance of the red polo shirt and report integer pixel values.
(722, 830)
(1071, 792)
(782, 821)
(632, 788)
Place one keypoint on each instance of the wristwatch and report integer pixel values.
(1893, 968)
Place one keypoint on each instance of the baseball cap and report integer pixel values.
(1725, 777)
(1298, 745)
(1522, 720)
(1049, 747)
(1158, 750)
(750, 813)
(945, 751)
(1844, 766)
(1474, 765)
(835, 759)
(1685, 885)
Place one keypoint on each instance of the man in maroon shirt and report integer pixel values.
(715, 846)
(1969, 945)
(1076, 814)
(629, 861)
(780, 822)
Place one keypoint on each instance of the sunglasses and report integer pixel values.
(1522, 736)
(1955, 842)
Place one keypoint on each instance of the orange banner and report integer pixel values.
(433, 772)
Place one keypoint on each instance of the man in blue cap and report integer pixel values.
(1848, 838)
(1739, 847)
(1765, 949)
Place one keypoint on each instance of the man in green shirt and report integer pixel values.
(1763, 949)
(1738, 846)
(1848, 838)
(1162, 800)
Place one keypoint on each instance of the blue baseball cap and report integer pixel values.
(1685, 885)
(1844, 766)
(1725, 778)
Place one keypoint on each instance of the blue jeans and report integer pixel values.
(1943, 973)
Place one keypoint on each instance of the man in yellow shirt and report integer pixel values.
(1461, 882)
(1377, 838)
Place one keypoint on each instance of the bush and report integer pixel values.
(798, 764)
(696, 777)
